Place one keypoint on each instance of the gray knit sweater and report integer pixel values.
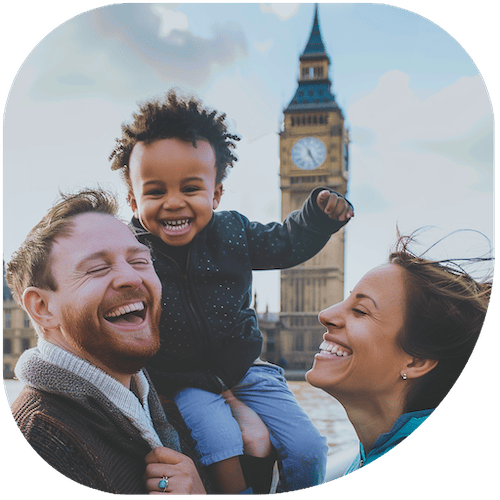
(87, 425)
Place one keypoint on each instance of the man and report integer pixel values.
(87, 407)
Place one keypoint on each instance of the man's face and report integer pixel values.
(107, 301)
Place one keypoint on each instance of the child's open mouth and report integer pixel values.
(177, 225)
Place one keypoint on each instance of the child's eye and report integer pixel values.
(154, 192)
(191, 189)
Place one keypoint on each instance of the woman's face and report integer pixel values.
(359, 356)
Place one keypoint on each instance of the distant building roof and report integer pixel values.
(312, 95)
(7, 295)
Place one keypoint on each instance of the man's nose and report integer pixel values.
(127, 277)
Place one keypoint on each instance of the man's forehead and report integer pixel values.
(95, 232)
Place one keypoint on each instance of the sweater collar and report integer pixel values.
(33, 368)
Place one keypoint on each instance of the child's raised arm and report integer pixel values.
(334, 205)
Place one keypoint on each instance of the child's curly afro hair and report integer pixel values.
(176, 116)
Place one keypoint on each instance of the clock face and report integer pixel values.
(308, 153)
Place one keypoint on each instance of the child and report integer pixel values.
(173, 158)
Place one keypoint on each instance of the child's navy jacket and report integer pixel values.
(209, 332)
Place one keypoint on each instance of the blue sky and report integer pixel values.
(412, 91)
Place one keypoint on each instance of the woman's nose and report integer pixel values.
(331, 316)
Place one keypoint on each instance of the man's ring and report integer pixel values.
(163, 484)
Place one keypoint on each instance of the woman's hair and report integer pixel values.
(445, 311)
(175, 117)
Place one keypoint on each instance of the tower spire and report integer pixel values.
(315, 44)
(314, 90)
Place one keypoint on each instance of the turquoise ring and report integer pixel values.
(163, 484)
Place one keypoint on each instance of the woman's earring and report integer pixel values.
(403, 376)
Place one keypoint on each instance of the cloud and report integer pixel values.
(448, 113)
(118, 49)
(456, 122)
(265, 46)
(284, 11)
(170, 20)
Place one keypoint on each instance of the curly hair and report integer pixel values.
(444, 313)
(177, 117)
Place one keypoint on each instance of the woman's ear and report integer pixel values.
(419, 367)
(36, 303)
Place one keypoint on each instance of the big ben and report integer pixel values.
(313, 152)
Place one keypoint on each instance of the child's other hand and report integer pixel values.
(255, 434)
(335, 206)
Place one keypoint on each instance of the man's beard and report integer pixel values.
(106, 346)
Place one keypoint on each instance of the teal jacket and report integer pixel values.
(401, 429)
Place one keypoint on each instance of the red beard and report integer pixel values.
(95, 336)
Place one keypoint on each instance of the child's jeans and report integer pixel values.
(301, 449)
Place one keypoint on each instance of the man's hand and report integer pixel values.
(334, 205)
(180, 470)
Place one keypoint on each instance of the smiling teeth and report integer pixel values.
(334, 349)
(176, 225)
(138, 306)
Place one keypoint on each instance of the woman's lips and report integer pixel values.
(333, 349)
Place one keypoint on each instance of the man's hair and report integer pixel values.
(444, 312)
(175, 117)
(30, 265)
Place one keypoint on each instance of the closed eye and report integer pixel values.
(140, 262)
(192, 189)
(359, 312)
(98, 270)
(154, 192)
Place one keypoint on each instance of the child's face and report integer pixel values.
(173, 188)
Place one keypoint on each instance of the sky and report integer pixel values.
(414, 86)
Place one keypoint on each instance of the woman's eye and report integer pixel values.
(359, 312)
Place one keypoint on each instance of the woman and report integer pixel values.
(394, 348)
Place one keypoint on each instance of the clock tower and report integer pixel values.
(313, 152)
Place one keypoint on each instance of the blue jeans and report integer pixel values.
(301, 449)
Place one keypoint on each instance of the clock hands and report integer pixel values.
(308, 153)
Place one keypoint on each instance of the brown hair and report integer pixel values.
(445, 311)
(30, 264)
(176, 117)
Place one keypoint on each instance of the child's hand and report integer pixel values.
(335, 206)
(256, 439)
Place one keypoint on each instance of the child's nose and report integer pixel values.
(173, 201)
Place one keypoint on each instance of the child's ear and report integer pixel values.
(36, 302)
(132, 203)
(217, 195)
